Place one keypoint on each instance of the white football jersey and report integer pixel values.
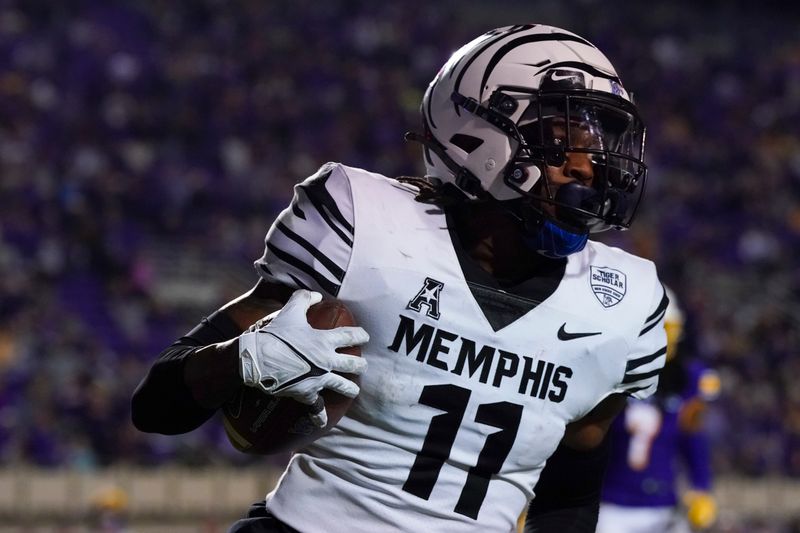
(455, 419)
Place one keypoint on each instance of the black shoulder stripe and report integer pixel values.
(662, 306)
(334, 269)
(641, 361)
(653, 323)
(324, 213)
(327, 285)
(632, 378)
(263, 267)
(653, 319)
(317, 192)
(296, 207)
(506, 48)
(296, 280)
(630, 392)
(299, 282)
(490, 42)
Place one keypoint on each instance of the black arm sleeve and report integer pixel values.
(163, 403)
(568, 492)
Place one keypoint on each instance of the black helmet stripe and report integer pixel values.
(577, 65)
(509, 31)
(500, 36)
(494, 33)
(506, 48)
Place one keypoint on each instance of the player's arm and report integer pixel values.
(568, 492)
(212, 372)
(309, 248)
(196, 374)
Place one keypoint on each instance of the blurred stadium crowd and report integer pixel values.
(145, 148)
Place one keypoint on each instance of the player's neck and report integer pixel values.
(494, 240)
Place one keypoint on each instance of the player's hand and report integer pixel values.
(283, 355)
(701, 508)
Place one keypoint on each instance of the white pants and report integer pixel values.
(621, 519)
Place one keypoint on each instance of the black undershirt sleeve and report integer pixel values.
(163, 403)
(568, 492)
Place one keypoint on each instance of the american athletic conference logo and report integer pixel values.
(428, 296)
(608, 285)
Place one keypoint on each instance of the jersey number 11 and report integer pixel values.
(442, 434)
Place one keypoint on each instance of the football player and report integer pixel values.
(496, 330)
(640, 492)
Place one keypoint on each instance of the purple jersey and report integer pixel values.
(651, 444)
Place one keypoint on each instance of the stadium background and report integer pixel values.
(146, 146)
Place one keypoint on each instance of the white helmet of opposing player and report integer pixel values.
(490, 113)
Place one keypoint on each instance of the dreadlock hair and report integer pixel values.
(434, 191)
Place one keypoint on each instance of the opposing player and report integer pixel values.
(497, 331)
(654, 440)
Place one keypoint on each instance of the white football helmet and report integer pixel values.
(491, 112)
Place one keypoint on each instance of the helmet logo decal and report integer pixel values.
(616, 88)
(608, 285)
(583, 67)
(555, 76)
(525, 39)
(563, 79)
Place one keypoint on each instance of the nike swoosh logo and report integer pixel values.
(563, 335)
(559, 77)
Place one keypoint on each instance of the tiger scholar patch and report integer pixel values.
(608, 285)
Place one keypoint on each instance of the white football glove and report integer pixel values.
(287, 357)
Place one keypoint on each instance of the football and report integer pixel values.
(259, 423)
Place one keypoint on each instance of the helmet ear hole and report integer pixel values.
(468, 143)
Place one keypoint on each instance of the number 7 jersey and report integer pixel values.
(457, 414)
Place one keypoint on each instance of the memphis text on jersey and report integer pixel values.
(459, 355)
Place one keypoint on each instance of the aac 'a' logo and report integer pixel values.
(608, 285)
(428, 296)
